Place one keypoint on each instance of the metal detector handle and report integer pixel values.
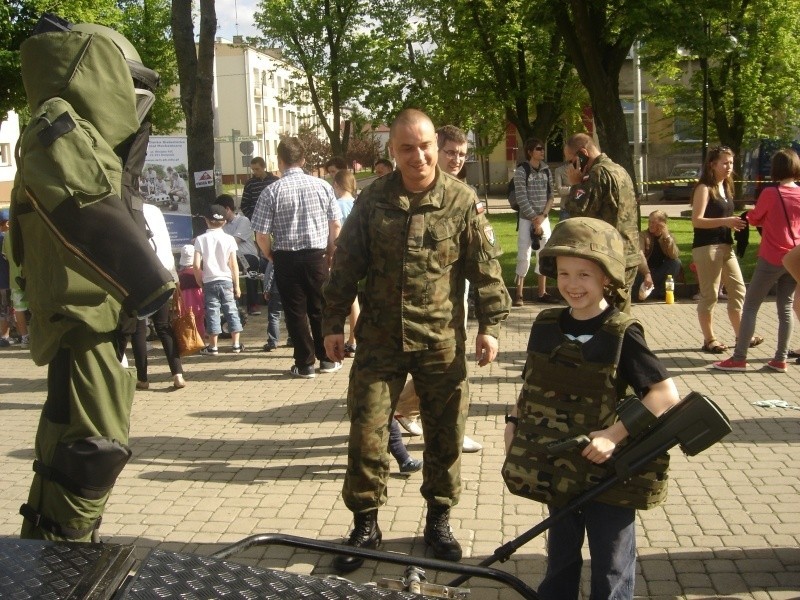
(695, 423)
(559, 447)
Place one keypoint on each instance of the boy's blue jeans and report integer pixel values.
(612, 547)
(219, 297)
(274, 308)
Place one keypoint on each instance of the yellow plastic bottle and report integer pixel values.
(669, 290)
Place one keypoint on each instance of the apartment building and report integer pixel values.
(251, 101)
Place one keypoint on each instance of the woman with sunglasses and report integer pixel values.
(712, 246)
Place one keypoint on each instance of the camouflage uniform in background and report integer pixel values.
(415, 252)
(607, 193)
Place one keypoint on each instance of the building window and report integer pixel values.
(683, 130)
(5, 155)
(628, 108)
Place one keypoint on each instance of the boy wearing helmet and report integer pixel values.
(581, 360)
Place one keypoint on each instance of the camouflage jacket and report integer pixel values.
(415, 258)
(607, 193)
(573, 389)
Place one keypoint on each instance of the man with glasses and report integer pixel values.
(533, 187)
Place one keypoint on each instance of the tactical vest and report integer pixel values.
(571, 389)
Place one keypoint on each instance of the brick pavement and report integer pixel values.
(246, 449)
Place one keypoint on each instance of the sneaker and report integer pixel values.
(142, 385)
(24, 342)
(210, 351)
(412, 465)
(178, 382)
(237, 348)
(289, 343)
(306, 372)
(269, 347)
(777, 365)
(730, 365)
(548, 299)
(326, 366)
(253, 310)
(349, 350)
(5, 342)
(470, 445)
(410, 425)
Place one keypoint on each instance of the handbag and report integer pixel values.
(184, 328)
(785, 212)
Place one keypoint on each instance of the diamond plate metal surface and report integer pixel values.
(166, 575)
(36, 570)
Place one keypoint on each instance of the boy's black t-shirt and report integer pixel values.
(638, 366)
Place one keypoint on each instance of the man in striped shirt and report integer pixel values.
(254, 186)
(297, 220)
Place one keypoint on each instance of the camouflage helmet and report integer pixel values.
(588, 238)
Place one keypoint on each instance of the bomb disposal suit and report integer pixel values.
(573, 387)
(86, 258)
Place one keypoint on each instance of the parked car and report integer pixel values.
(680, 182)
(757, 163)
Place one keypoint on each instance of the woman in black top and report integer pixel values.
(712, 247)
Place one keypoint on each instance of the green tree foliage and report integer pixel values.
(598, 35)
(491, 63)
(334, 43)
(17, 19)
(146, 23)
(748, 49)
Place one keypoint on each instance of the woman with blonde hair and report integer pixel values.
(712, 246)
(344, 186)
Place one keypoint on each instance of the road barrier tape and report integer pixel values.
(665, 181)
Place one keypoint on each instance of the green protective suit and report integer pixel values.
(85, 259)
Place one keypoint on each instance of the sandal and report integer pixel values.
(756, 340)
(712, 346)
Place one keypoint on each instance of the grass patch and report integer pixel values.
(505, 225)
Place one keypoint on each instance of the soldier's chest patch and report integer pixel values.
(579, 193)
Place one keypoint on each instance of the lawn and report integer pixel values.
(681, 227)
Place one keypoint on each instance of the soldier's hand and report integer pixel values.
(485, 349)
(334, 346)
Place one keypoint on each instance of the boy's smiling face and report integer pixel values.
(581, 282)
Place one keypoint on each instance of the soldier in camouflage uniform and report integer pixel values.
(580, 362)
(604, 190)
(416, 235)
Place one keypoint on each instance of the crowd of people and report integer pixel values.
(382, 277)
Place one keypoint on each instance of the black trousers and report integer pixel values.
(300, 275)
(139, 343)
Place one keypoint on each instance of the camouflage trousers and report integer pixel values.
(377, 376)
(89, 398)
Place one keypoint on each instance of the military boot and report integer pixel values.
(438, 534)
(365, 534)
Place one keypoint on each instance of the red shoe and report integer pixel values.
(777, 365)
(731, 365)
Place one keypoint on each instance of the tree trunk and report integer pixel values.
(598, 54)
(196, 77)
